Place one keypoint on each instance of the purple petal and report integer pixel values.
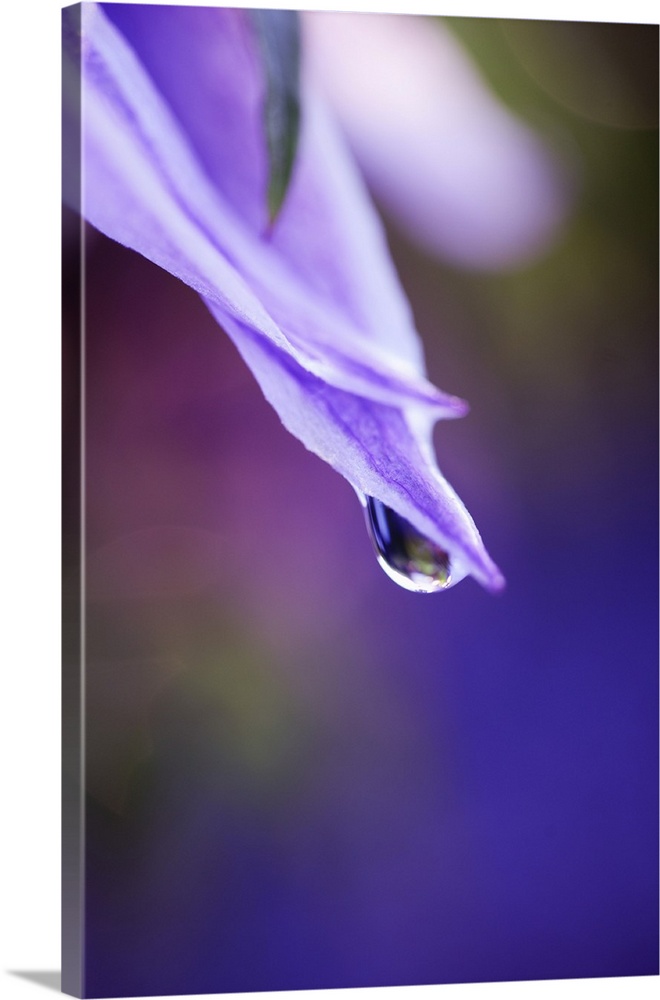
(314, 307)
(459, 173)
(144, 187)
(382, 451)
(216, 95)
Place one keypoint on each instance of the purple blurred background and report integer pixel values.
(301, 776)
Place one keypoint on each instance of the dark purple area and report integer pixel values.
(304, 777)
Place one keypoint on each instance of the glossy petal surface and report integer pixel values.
(175, 168)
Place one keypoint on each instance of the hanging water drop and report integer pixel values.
(408, 557)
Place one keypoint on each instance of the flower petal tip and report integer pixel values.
(459, 407)
(496, 583)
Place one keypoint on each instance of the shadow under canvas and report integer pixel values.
(51, 979)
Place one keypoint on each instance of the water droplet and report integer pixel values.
(408, 557)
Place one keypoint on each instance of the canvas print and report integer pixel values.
(360, 688)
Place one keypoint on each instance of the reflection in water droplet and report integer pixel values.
(408, 557)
